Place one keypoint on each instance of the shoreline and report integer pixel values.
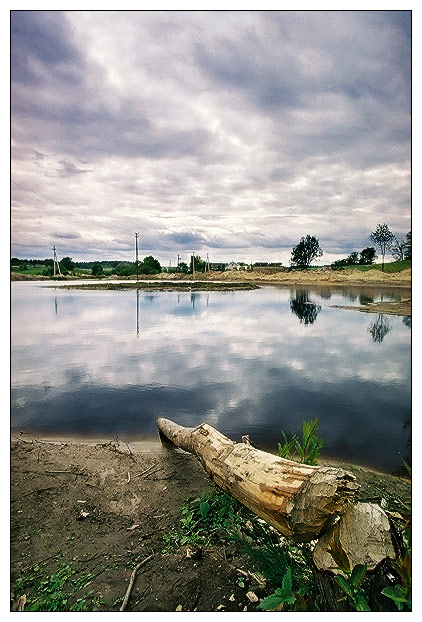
(95, 510)
(148, 445)
(319, 276)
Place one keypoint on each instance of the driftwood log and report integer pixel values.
(303, 503)
(296, 499)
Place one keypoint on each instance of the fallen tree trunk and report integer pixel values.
(303, 503)
(298, 500)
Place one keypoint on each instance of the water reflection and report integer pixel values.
(364, 299)
(379, 328)
(407, 321)
(137, 312)
(240, 361)
(304, 308)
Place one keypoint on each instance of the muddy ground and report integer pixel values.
(100, 508)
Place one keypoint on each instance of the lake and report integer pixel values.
(104, 364)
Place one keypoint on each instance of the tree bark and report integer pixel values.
(298, 500)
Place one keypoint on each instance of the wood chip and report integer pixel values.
(252, 597)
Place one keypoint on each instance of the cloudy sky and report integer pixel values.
(228, 133)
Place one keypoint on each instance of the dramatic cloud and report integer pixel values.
(228, 133)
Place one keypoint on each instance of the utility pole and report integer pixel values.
(55, 262)
(136, 247)
(207, 265)
(193, 264)
(178, 262)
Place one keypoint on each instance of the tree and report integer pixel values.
(398, 248)
(150, 265)
(408, 249)
(383, 238)
(367, 256)
(124, 268)
(352, 259)
(199, 264)
(66, 264)
(305, 252)
(97, 269)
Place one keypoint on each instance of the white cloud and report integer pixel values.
(233, 133)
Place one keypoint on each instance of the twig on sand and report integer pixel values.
(146, 470)
(68, 472)
(132, 581)
(153, 472)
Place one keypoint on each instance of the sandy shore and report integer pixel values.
(100, 507)
(322, 276)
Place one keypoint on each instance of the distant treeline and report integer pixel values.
(49, 262)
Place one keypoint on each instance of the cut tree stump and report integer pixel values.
(298, 500)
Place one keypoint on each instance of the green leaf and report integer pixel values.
(204, 509)
(339, 554)
(358, 574)
(287, 582)
(279, 596)
(361, 603)
(396, 593)
(344, 584)
(269, 603)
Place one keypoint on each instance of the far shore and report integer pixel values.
(319, 276)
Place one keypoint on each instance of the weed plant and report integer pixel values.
(306, 452)
(206, 519)
(54, 592)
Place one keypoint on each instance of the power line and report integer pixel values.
(32, 194)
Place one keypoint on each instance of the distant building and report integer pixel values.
(232, 266)
(237, 266)
(217, 266)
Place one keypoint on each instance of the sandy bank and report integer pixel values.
(308, 277)
(130, 495)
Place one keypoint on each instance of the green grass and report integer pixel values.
(393, 266)
(33, 270)
(56, 592)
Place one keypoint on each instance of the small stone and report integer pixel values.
(220, 607)
(179, 608)
(252, 597)
(232, 598)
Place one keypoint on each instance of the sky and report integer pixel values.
(227, 133)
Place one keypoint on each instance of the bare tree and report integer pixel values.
(383, 238)
(398, 249)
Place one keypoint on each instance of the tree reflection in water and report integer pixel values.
(379, 328)
(407, 321)
(306, 310)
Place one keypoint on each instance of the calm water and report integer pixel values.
(107, 364)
